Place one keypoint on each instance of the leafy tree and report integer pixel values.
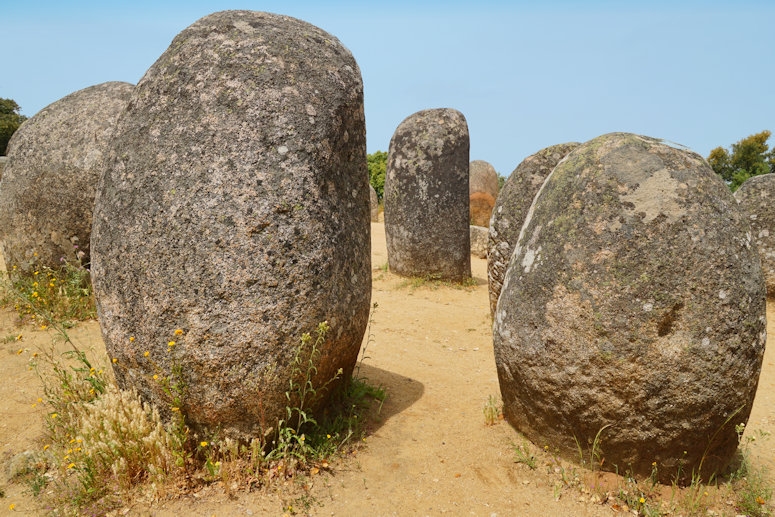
(749, 157)
(377, 165)
(10, 120)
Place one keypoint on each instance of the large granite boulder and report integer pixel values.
(511, 208)
(482, 177)
(631, 324)
(426, 196)
(235, 211)
(55, 160)
(757, 198)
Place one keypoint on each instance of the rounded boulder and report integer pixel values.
(55, 160)
(631, 323)
(510, 209)
(756, 197)
(234, 218)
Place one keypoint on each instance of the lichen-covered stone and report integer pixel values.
(757, 198)
(3, 159)
(374, 204)
(482, 178)
(479, 236)
(235, 208)
(510, 209)
(426, 196)
(632, 316)
(55, 160)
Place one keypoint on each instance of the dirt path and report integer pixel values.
(430, 453)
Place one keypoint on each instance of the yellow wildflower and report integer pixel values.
(146, 354)
(115, 360)
(45, 447)
(34, 294)
(178, 332)
(155, 377)
(34, 284)
(71, 465)
(642, 500)
(131, 339)
(171, 344)
(11, 506)
(203, 444)
(54, 415)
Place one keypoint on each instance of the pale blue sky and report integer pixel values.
(525, 74)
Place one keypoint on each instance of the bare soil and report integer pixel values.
(429, 451)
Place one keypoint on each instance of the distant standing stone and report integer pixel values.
(479, 241)
(55, 160)
(511, 208)
(235, 208)
(426, 196)
(482, 178)
(632, 314)
(757, 198)
(374, 204)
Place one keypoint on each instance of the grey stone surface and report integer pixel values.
(55, 160)
(426, 196)
(235, 207)
(373, 204)
(757, 198)
(633, 312)
(482, 178)
(3, 160)
(510, 210)
(479, 236)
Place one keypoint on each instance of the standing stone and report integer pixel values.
(511, 208)
(374, 204)
(426, 196)
(480, 208)
(235, 208)
(479, 241)
(757, 198)
(632, 314)
(482, 178)
(55, 160)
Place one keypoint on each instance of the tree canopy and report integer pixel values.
(377, 162)
(10, 120)
(749, 157)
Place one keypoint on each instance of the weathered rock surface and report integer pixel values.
(510, 210)
(426, 196)
(480, 205)
(374, 204)
(236, 208)
(757, 198)
(482, 178)
(55, 160)
(3, 159)
(633, 312)
(479, 236)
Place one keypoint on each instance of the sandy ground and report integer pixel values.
(430, 452)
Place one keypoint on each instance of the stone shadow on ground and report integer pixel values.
(401, 393)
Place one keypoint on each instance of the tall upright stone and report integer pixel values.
(482, 192)
(233, 218)
(426, 196)
(632, 315)
(55, 160)
(511, 208)
(756, 197)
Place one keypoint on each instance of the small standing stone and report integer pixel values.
(426, 196)
(55, 160)
(511, 209)
(374, 204)
(757, 198)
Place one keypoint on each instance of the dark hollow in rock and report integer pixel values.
(426, 196)
(236, 208)
(511, 208)
(756, 197)
(631, 324)
(55, 160)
